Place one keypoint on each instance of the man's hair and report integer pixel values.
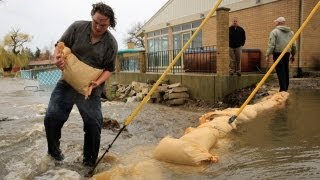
(104, 10)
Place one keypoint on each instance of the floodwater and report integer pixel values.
(278, 144)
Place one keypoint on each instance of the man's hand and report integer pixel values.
(59, 61)
(94, 84)
(292, 59)
(267, 58)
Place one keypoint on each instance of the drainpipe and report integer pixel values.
(299, 71)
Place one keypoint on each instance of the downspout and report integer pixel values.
(299, 71)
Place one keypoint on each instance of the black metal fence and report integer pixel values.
(160, 60)
(196, 60)
(130, 64)
(199, 60)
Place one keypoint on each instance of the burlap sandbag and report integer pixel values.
(205, 136)
(220, 124)
(250, 111)
(182, 152)
(145, 170)
(226, 112)
(268, 102)
(76, 73)
(193, 147)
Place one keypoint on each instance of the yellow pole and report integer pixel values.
(155, 86)
(314, 10)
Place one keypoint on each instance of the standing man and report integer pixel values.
(237, 38)
(278, 40)
(92, 43)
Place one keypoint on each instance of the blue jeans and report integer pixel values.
(61, 102)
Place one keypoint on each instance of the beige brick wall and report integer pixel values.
(258, 22)
(310, 50)
(209, 32)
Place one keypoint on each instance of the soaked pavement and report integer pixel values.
(282, 143)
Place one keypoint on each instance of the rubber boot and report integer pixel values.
(91, 145)
(53, 140)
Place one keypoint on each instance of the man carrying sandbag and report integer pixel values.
(93, 44)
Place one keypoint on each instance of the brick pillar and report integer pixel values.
(143, 58)
(223, 41)
(170, 42)
(143, 63)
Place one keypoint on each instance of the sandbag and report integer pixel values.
(77, 73)
(140, 171)
(226, 112)
(205, 136)
(221, 124)
(268, 102)
(182, 152)
(193, 147)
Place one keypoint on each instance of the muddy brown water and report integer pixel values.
(278, 144)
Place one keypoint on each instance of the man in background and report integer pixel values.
(237, 39)
(278, 40)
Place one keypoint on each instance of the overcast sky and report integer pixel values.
(46, 20)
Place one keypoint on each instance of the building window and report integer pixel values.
(182, 33)
(176, 28)
(177, 41)
(186, 26)
(150, 34)
(157, 33)
(150, 45)
(197, 41)
(164, 43)
(164, 31)
(158, 51)
(158, 42)
(196, 24)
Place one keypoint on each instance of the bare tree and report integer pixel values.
(132, 37)
(13, 50)
(15, 40)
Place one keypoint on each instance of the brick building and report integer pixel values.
(174, 23)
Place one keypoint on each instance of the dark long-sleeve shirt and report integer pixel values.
(237, 36)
